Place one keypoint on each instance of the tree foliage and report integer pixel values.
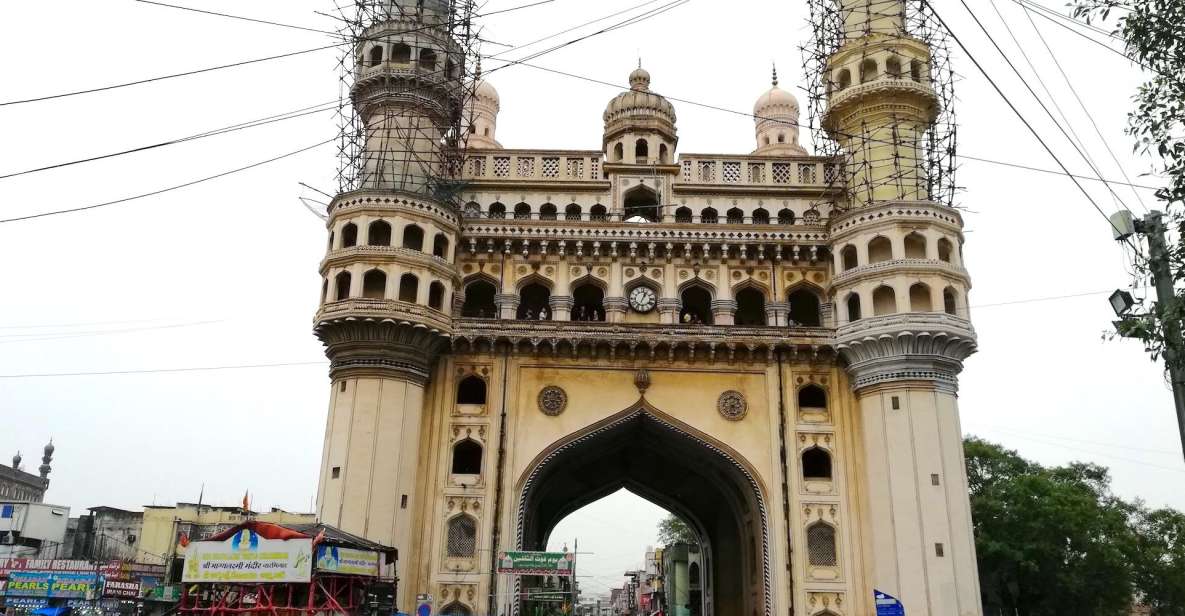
(672, 530)
(1153, 32)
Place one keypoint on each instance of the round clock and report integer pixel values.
(642, 299)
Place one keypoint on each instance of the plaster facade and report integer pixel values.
(725, 335)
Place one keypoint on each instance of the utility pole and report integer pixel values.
(1152, 227)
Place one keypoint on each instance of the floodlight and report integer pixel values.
(1121, 302)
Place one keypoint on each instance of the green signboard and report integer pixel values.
(548, 595)
(535, 563)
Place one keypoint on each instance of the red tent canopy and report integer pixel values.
(263, 529)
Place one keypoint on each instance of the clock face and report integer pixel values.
(642, 299)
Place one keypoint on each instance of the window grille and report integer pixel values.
(551, 167)
(576, 168)
(732, 172)
(477, 166)
(455, 609)
(820, 545)
(781, 173)
(526, 167)
(686, 171)
(501, 166)
(756, 173)
(806, 174)
(595, 169)
(810, 217)
(830, 172)
(462, 537)
(707, 171)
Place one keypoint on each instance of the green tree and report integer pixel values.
(1153, 32)
(1049, 541)
(672, 530)
(1158, 563)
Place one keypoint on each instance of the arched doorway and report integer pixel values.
(675, 467)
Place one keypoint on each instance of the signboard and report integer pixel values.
(114, 568)
(346, 561)
(50, 585)
(535, 563)
(548, 595)
(170, 594)
(28, 603)
(887, 605)
(248, 557)
(423, 605)
(121, 589)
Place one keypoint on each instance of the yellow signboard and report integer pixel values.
(345, 561)
(249, 558)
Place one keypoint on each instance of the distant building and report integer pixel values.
(164, 527)
(32, 530)
(18, 485)
(107, 533)
(682, 580)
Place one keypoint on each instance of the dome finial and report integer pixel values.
(16, 461)
(775, 74)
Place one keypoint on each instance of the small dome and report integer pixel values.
(774, 98)
(16, 461)
(640, 79)
(775, 115)
(639, 103)
(49, 449)
(487, 93)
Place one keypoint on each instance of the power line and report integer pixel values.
(161, 370)
(168, 189)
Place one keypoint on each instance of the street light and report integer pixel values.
(1121, 302)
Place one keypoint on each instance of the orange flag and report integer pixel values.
(246, 502)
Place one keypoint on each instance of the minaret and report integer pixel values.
(900, 289)
(389, 275)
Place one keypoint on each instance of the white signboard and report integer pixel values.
(249, 558)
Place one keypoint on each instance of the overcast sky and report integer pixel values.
(225, 273)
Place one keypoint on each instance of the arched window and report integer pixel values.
(472, 210)
(349, 235)
(683, 215)
(427, 60)
(820, 545)
(868, 70)
(786, 216)
(750, 307)
(893, 67)
(845, 78)
(693, 574)
(950, 303)
(598, 212)
(331, 236)
(401, 53)
(522, 211)
(915, 70)
(341, 283)
(479, 301)
(695, 306)
(760, 216)
(919, 298)
(880, 249)
(462, 537)
(663, 155)
(436, 295)
(708, 215)
(884, 301)
(804, 309)
(533, 303)
(450, 69)
(455, 609)
(642, 201)
(945, 248)
(378, 234)
(572, 212)
(812, 397)
(915, 246)
(440, 246)
(376, 55)
(547, 211)
(618, 152)
(413, 237)
(781, 137)
(324, 290)
(409, 288)
(471, 390)
(374, 284)
(497, 210)
(735, 216)
(853, 307)
(849, 258)
(816, 464)
(466, 458)
(588, 303)
(641, 151)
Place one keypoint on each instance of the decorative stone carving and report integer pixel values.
(552, 400)
(732, 405)
(642, 380)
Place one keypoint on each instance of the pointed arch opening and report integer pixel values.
(750, 307)
(440, 245)
(479, 300)
(945, 248)
(761, 216)
(349, 235)
(950, 302)
(588, 302)
(413, 238)
(534, 302)
(462, 536)
(401, 53)
(683, 215)
(409, 288)
(785, 216)
(378, 233)
(919, 298)
(880, 249)
(572, 212)
(695, 306)
(341, 284)
(467, 455)
(812, 397)
(641, 151)
(849, 258)
(436, 295)
(598, 213)
(471, 390)
(884, 301)
(376, 55)
(915, 246)
(805, 308)
(820, 545)
(374, 284)
(548, 211)
(497, 210)
(642, 202)
(522, 211)
(816, 464)
(709, 215)
(853, 305)
(427, 60)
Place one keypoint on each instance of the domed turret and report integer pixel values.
(640, 125)
(776, 117)
(16, 461)
(481, 116)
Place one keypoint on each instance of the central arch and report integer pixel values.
(676, 467)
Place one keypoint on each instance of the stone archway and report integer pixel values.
(676, 467)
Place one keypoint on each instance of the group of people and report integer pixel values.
(691, 318)
(588, 313)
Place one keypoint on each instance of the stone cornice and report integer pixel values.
(379, 202)
(343, 257)
(902, 95)
(709, 343)
(385, 310)
(811, 191)
(628, 232)
(898, 267)
(916, 346)
(384, 348)
(887, 213)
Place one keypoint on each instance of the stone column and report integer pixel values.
(723, 311)
(615, 308)
(507, 306)
(668, 310)
(776, 313)
(561, 307)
